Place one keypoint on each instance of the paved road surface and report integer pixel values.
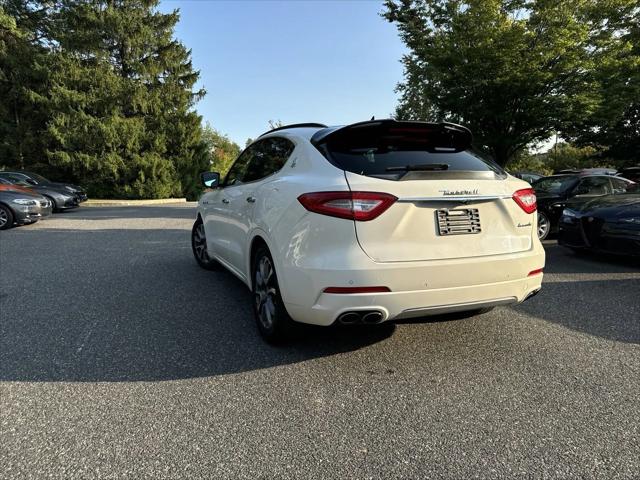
(120, 357)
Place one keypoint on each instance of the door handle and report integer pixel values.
(224, 200)
(251, 199)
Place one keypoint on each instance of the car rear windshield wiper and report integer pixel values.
(425, 168)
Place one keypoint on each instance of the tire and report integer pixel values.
(54, 209)
(544, 226)
(274, 323)
(199, 246)
(6, 218)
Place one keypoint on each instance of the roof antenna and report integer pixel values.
(373, 118)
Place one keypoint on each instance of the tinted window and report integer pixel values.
(386, 162)
(13, 177)
(236, 172)
(37, 178)
(555, 184)
(269, 157)
(620, 186)
(593, 186)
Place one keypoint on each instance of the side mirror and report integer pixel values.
(210, 179)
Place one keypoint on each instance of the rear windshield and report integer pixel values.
(395, 164)
(554, 184)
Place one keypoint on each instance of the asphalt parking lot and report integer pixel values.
(119, 357)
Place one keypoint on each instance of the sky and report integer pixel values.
(326, 61)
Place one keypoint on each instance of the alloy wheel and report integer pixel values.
(543, 226)
(4, 218)
(265, 292)
(200, 244)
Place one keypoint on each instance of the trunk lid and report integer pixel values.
(451, 202)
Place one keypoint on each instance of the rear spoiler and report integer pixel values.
(433, 137)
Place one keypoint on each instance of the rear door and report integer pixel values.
(451, 202)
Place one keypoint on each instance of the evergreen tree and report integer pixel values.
(24, 67)
(122, 100)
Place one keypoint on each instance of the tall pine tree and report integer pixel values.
(24, 70)
(122, 98)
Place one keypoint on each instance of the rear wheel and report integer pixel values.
(272, 318)
(199, 246)
(6, 217)
(544, 226)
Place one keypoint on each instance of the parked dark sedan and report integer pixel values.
(21, 208)
(609, 224)
(37, 179)
(630, 173)
(528, 176)
(61, 199)
(554, 192)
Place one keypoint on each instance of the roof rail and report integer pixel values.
(295, 125)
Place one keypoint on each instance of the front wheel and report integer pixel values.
(6, 217)
(544, 226)
(54, 208)
(199, 246)
(272, 318)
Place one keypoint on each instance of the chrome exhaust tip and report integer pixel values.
(372, 317)
(349, 318)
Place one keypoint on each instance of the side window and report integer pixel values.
(235, 175)
(619, 186)
(270, 157)
(593, 186)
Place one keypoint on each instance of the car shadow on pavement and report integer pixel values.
(132, 305)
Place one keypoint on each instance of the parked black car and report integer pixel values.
(609, 224)
(21, 208)
(528, 176)
(630, 173)
(554, 192)
(61, 199)
(37, 179)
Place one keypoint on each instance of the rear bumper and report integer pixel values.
(417, 288)
(402, 305)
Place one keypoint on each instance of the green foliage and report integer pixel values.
(223, 151)
(512, 71)
(99, 92)
(559, 157)
(24, 71)
(614, 123)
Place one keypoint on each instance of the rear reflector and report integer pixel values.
(361, 206)
(356, 290)
(526, 199)
(534, 272)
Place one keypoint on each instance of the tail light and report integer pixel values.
(362, 206)
(526, 199)
(537, 271)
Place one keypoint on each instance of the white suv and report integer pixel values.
(369, 222)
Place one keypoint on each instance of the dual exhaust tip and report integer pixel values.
(367, 317)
